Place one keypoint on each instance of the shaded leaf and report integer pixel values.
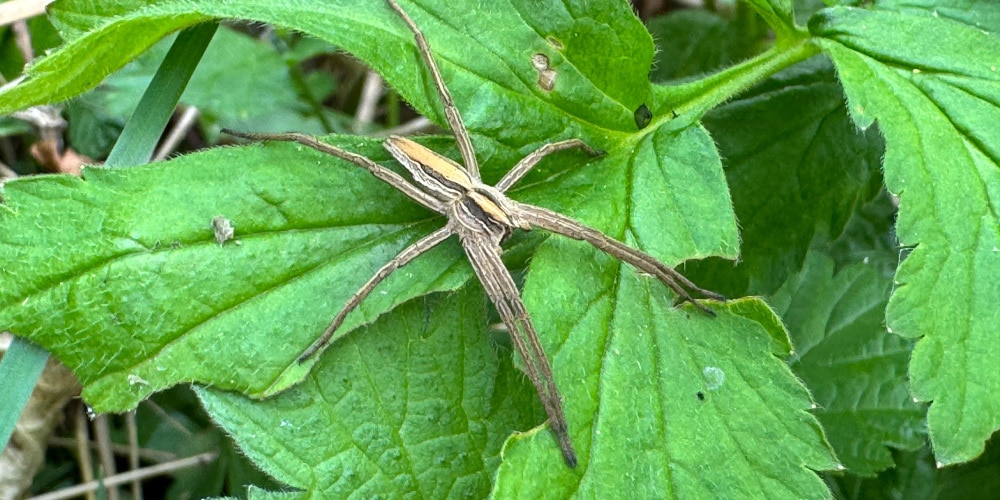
(693, 42)
(855, 370)
(13, 126)
(917, 476)
(869, 237)
(797, 174)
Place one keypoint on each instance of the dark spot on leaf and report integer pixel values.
(554, 43)
(643, 116)
(701, 396)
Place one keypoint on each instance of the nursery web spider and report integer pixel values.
(483, 216)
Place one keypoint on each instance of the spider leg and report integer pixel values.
(450, 111)
(403, 258)
(384, 174)
(484, 255)
(528, 162)
(560, 224)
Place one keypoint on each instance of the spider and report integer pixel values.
(483, 217)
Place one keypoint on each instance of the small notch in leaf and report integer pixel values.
(643, 116)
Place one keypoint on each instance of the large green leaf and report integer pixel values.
(149, 209)
(664, 404)
(854, 368)
(625, 360)
(128, 287)
(474, 65)
(932, 82)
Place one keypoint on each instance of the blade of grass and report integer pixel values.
(23, 362)
(20, 368)
(142, 131)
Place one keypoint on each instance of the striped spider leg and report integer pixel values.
(482, 217)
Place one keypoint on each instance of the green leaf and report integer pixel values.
(917, 477)
(13, 126)
(564, 34)
(23, 365)
(148, 121)
(932, 83)
(20, 367)
(43, 38)
(419, 402)
(868, 237)
(666, 195)
(913, 478)
(605, 353)
(853, 367)
(147, 286)
(254, 493)
(655, 397)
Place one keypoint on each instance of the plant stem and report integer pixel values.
(696, 98)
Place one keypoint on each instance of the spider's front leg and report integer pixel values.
(560, 224)
(528, 162)
(384, 174)
(450, 110)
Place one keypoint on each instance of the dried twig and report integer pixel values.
(157, 470)
(18, 10)
(187, 120)
(371, 92)
(414, 126)
(102, 436)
